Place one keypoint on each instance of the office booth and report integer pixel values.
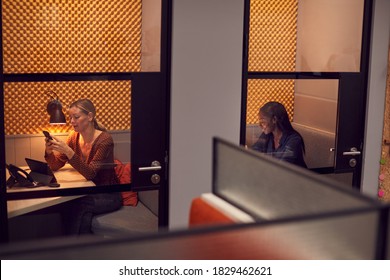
(114, 53)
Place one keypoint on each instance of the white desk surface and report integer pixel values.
(67, 177)
(21, 207)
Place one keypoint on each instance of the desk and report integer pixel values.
(21, 207)
(67, 177)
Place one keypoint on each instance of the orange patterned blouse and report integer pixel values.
(98, 167)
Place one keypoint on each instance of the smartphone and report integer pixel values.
(47, 135)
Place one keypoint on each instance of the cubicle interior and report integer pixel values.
(270, 190)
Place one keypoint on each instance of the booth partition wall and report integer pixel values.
(312, 56)
(112, 52)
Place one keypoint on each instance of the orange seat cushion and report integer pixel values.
(202, 213)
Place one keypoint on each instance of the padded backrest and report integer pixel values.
(318, 144)
(150, 200)
(122, 145)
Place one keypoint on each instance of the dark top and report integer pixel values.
(290, 148)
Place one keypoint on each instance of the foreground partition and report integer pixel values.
(296, 215)
(306, 209)
(327, 237)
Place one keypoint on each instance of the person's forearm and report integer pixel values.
(69, 153)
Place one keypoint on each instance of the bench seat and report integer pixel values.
(127, 220)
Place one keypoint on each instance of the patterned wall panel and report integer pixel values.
(63, 36)
(25, 104)
(262, 91)
(272, 35)
(384, 176)
(272, 48)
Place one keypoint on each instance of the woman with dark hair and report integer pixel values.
(279, 138)
(90, 150)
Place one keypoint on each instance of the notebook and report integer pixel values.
(41, 172)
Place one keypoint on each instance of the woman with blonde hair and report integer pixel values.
(90, 150)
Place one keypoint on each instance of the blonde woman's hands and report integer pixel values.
(48, 146)
(60, 146)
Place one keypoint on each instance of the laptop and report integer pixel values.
(41, 172)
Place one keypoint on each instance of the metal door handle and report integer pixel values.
(352, 152)
(153, 167)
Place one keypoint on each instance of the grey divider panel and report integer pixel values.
(344, 236)
(272, 189)
(311, 238)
